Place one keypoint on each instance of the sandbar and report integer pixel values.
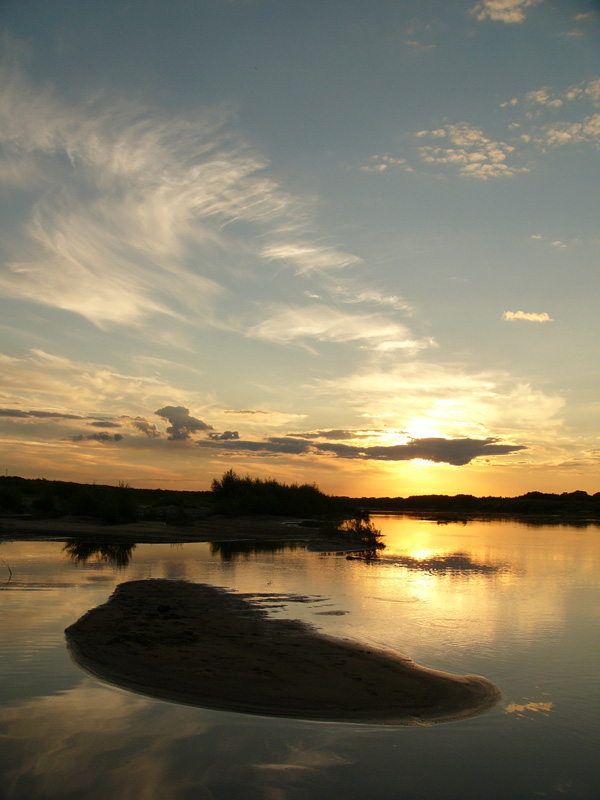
(203, 645)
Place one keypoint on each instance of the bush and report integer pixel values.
(235, 495)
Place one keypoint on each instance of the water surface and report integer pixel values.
(515, 603)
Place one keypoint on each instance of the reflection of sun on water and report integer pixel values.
(421, 555)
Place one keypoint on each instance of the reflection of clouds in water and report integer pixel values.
(515, 708)
(55, 741)
(455, 562)
(59, 740)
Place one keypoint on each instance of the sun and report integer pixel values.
(422, 428)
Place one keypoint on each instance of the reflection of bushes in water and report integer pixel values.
(115, 553)
(235, 495)
(368, 556)
(229, 551)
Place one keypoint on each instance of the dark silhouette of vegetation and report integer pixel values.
(238, 496)
(111, 505)
(458, 507)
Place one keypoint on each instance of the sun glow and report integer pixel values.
(422, 428)
(421, 555)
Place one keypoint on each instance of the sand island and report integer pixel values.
(203, 645)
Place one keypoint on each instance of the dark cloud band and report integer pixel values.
(457, 452)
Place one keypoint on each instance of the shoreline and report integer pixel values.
(213, 528)
(217, 528)
(203, 645)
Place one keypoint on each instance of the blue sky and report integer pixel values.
(351, 243)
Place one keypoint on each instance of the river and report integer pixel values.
(516, 603)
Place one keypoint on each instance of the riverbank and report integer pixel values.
(209, 529)
(212, 528)
(201, 645)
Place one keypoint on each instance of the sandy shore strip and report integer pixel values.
(205, 646)
(213, 528)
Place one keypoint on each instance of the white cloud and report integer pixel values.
(426, 399)
(543, 97)
(469, 151)
(351, 295)
(503, 10)
(565, 133)
(510, 316)
(309, 258)
(381, 163)
(43, 380)
(326, 324)
(130, 207)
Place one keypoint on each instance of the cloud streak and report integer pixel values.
(17, 413)
(100, 436)
(324, 323)
(511, 316)
(457, 452)
(123, 197)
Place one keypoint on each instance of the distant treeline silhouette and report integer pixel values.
(231, 495)
(577, 504)
(110, 505)
(235, 495)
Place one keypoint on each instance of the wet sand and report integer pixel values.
(213, 528)
(205, 646)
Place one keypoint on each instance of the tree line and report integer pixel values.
(234, 495)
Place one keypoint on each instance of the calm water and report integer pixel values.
(517, 604)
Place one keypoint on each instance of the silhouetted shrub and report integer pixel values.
(106, 503)
(235, 495)
(11, 500)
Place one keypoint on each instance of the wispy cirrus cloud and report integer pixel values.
(72, 389)
(322, 323)
(353, 295)
(309, 258)
(527, 316)
(130, 206)
(508, 11)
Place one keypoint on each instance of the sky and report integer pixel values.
(347, 243)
